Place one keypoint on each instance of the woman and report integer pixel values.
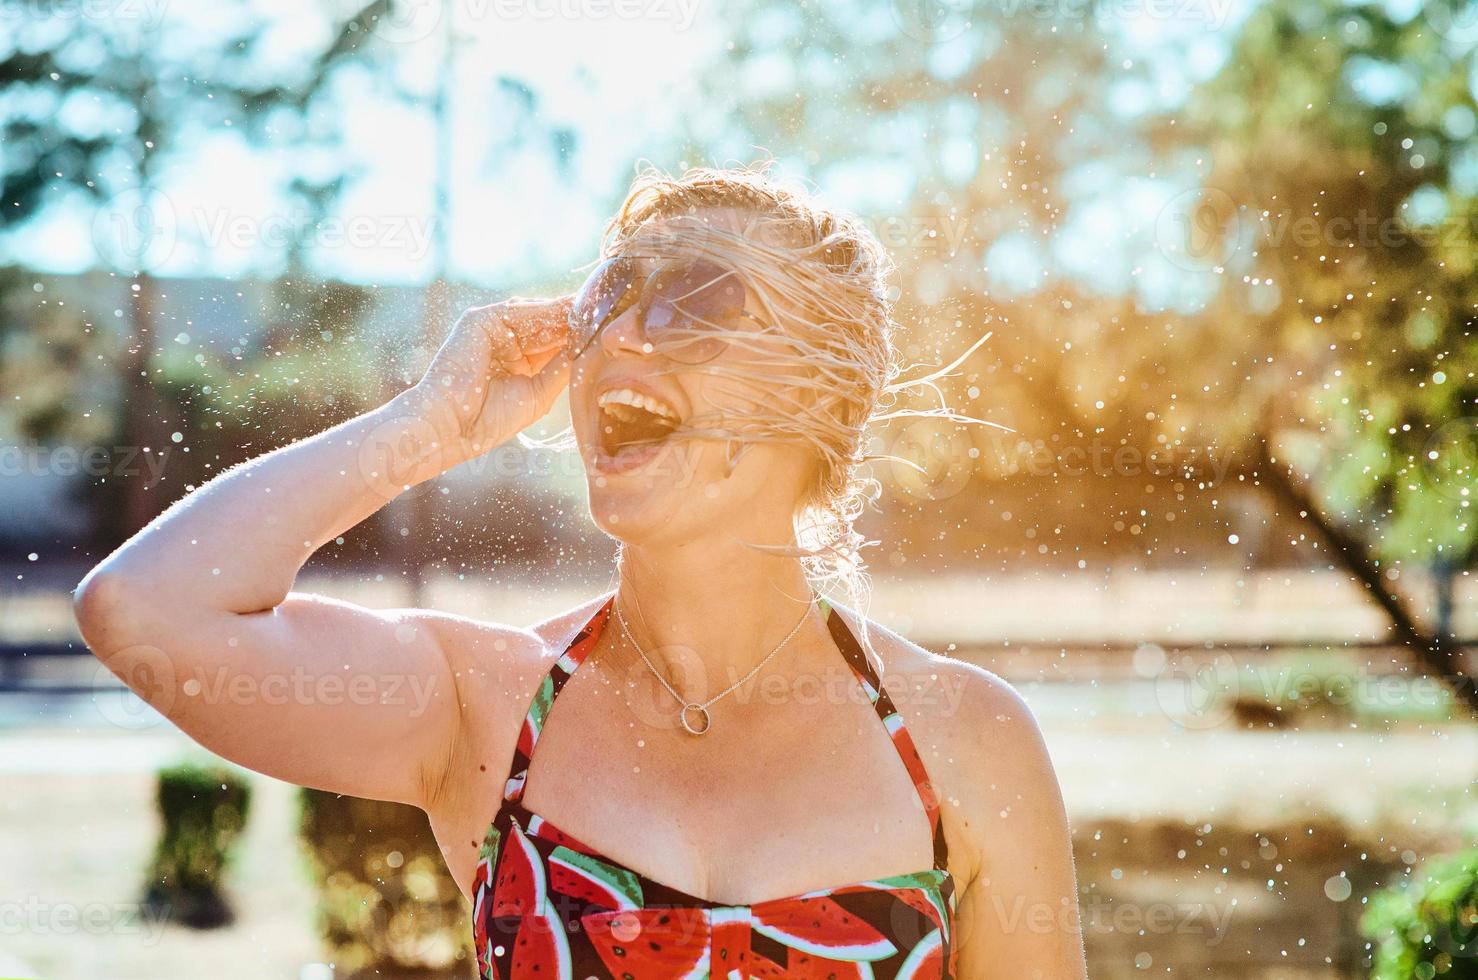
(720, 791)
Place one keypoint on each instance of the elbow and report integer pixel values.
(112, 616)
(103, 606)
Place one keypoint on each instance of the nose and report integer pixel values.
(624, 334)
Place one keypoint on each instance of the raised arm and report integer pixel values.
(197, 615)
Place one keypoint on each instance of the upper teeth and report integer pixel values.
(625, 396)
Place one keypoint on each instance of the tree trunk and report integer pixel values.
(146, 423)
(1436, 654)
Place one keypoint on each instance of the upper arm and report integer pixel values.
(1018, 915)
(314, 691)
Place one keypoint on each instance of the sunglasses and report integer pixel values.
(674, 303)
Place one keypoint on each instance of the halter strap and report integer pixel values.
(584, 642)
(903, 743)
(554, 681)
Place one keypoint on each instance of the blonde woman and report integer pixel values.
(742, 777)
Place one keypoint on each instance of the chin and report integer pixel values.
(638, 496)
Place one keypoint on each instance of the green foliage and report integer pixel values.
(1426, 928)
(1341, 141)
(386, 901)
(203, 809)
(54, 367)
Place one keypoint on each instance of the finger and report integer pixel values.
(540, 325)
(538, 359)
(551, 379)
(505, 352)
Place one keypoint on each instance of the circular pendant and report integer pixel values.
(688, 725)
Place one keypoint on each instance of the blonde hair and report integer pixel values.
(824, 281)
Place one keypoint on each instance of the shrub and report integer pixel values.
(1426, 927)
(203, 809)
(386, 904)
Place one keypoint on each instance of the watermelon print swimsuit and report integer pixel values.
(545, 905)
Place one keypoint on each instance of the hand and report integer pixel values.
(499, 371)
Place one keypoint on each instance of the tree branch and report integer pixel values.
(1435, 657)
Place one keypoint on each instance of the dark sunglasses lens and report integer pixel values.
(605, 294)
(687, 298)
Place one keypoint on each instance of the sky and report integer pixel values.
(615, 74)
(619, 73)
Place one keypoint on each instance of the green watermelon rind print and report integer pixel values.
(909, 968)
(925, 881)
(622, 885)
(880, 949)
(539, 709)
(490, 840)
(930, 879)
(700, 969)
(944, 916)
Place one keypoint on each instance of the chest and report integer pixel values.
(777, 799)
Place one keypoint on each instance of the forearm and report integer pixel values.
(237, 544)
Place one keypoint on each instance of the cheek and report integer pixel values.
(718, 396)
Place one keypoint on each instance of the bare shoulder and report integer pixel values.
(961, 704)
(978, 739)
(494, 670)
(500, 660)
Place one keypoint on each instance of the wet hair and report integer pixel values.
(828, 369)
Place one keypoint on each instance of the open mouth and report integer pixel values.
(631, 420)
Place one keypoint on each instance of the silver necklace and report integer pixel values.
(692, 710)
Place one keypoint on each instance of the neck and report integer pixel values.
(706, 614)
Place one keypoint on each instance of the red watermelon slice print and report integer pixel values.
(821, 927)
(924, 961)
(652, 944)
(544, 830)
(731, 955)
(520, 888)
(541, 950)
(925, 902)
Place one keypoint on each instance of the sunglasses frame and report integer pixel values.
(645, 298)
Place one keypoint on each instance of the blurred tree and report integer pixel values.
(991, 139)
(99, 108)
(963, 134)
(387, 906)
(103, 112)
(1338, 216)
